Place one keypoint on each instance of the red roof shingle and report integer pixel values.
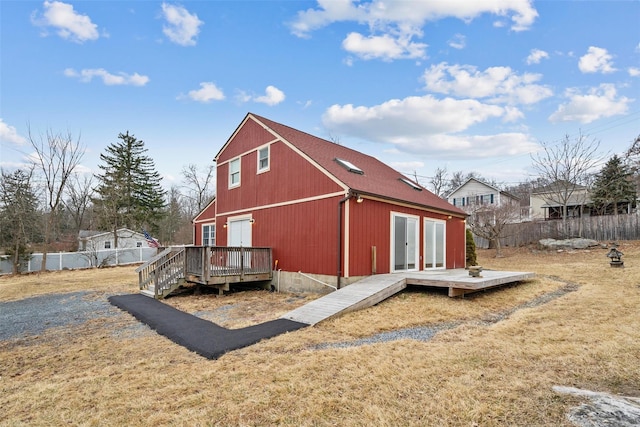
(378, 179)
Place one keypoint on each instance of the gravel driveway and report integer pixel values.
(33, 316)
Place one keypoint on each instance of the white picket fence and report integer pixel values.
(78, 260)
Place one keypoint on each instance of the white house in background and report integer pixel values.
(99, 240)
(548, 202)
(474, 195)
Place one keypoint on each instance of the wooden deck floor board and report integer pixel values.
(373, 289)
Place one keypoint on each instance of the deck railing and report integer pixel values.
(217, 261)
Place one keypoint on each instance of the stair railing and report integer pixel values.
(162, 271)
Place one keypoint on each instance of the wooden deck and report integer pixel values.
(214, 266)
(373, 289)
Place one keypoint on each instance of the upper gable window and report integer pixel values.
(349, 166)
(263, 159)
(411, 184)
(234, 173)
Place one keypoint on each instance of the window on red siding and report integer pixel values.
(263, 159)
(234, 172)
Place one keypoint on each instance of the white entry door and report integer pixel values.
(404, 241)
(434, 244)
(239, 235)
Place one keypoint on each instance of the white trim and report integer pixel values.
(444, 244)
(202, 226)
(275, 205)
(268, 168)
(229, 174)
(303, 155)
(345, 251)
(239, 218)
(246, 153)
(418, 207)
(392, 217)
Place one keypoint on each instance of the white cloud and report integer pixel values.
(394, 25)
(182, 27)
(10, 134)
(596, 60)
(208, 92)
(412, 119)
(86, 75)
(598, 102)
(634, 72)
(473, 146)
(385, 47)
(69, 24)
(497, 84)
(536, 55)
(380, 13)
(458, 41)
(272, 96)
(407, 166)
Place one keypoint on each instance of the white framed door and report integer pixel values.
(404, 242)
(239, 232)
(239, 235)
(434, 244)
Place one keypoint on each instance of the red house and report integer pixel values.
(328, 212)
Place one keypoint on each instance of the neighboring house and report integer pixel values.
(475, 196)
(99, 240)
(325, 209)
(548, 202)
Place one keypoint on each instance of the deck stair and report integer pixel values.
(362, 294)
(163, 273)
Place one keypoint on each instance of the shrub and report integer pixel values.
(472, 258)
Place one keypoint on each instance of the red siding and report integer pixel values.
(370, 225)
(303, 236)
(290, 177)
(248, 137)
(206, 216)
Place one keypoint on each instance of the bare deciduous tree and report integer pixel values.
(566, 166)
(490, 222)
(56, 157)
(198, 183)
(79, 193)
(439, 182)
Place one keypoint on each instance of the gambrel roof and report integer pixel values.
(361, 173)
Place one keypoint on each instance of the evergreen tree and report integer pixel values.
(129, 193)
(613, 187)
(472, 258)
(19, 215)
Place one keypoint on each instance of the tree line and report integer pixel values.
(569, 175)
(44, 205)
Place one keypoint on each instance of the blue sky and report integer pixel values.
(469, 85)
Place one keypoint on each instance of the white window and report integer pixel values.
(208, 235)
(234, 172)
(263, 159)
(107, 244)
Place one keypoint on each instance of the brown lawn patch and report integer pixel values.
(497, 368)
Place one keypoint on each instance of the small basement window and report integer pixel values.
(349, 166)
(411, 184)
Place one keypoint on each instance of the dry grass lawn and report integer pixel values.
(496, 368)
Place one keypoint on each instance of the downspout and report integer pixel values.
(339, 269)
